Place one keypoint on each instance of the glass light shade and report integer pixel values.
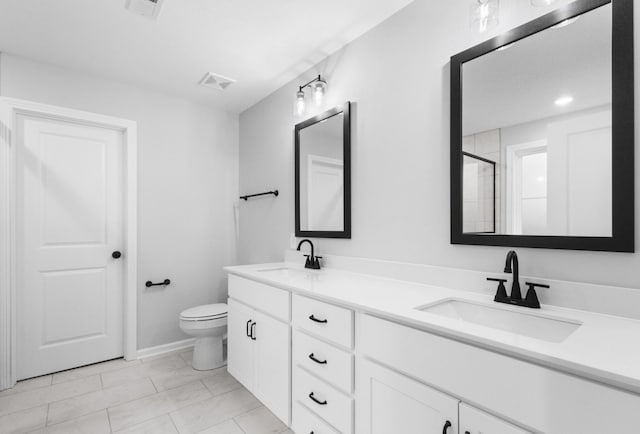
(319, 90)
(542, 2)
(298, 108)
(484, 14)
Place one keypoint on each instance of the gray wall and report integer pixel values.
(187, 179)
(398, 76)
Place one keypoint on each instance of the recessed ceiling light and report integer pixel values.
(565, 23)
(564, 100)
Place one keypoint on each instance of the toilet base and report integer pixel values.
(207, 353)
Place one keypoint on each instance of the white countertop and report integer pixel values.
(604, 348)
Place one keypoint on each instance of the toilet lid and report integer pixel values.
(205, 311)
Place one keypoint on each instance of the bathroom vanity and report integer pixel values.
(332, 351)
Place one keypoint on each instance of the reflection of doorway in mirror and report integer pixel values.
(325, 199)
(526, 195)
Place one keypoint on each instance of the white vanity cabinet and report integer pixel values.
(259, 343)
(388, 402)
(535, 397)
(328, 369)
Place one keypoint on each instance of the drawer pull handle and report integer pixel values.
(253, 331)
(248, 323)
(321, 321)
(314, 399)
(319, 362)
(446, 426)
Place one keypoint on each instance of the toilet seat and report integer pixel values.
(206, 312)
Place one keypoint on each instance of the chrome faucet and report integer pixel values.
(312, 260)
(531, 299)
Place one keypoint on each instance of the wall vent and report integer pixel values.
(146, 8)
(216, 81)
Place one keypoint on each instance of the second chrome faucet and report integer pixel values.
(530, 300)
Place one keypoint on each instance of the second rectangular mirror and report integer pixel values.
(323, 175)
(542, 133)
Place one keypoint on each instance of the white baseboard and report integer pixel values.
(165, 348)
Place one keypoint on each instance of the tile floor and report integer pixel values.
(156, 396)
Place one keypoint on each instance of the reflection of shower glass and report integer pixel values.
(484, 14)
(478, 195)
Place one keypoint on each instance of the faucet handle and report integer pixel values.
(531, 299)
(501, 293)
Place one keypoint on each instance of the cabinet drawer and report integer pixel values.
(332, 405)
(325, 320)
(332, 364)
(268, 299)
(305, 422)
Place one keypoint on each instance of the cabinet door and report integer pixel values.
(240, 348)
(474, 421)
(390, 403)
(272, 355)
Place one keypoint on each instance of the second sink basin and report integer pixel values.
(533, 325)
(284, 272)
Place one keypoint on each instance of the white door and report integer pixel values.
(239, 343)
(474, 421)
(390, 403)
(326, 194)
(580, 176)
(69, 222)
(272, 357)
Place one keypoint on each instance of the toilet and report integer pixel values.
(208, 324)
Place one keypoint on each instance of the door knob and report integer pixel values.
(116, 254)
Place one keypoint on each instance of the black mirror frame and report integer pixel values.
(346, 146)
(623, 230)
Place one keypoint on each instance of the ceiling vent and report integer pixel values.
(216, 81)
(146, 8)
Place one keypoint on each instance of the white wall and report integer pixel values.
(188, 171)
(398, 76)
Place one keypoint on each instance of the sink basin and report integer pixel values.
(533, 325)
(283, 272)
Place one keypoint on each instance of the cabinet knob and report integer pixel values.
(116, 255)
(319, 362)
(247, 330)
(253, 331)
(446, 426)
(321, 321)
(314, 399)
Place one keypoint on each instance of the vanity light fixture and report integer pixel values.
(564, 100)
(318, 87)
(484, 14)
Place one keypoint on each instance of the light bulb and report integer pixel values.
(542, 2)
(564, 100)
(299, 104)
(484, 14)
(319, 89)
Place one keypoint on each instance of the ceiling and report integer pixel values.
(574, 60)
(261, 44)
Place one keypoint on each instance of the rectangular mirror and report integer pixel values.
(323, 175)
(542, 143)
